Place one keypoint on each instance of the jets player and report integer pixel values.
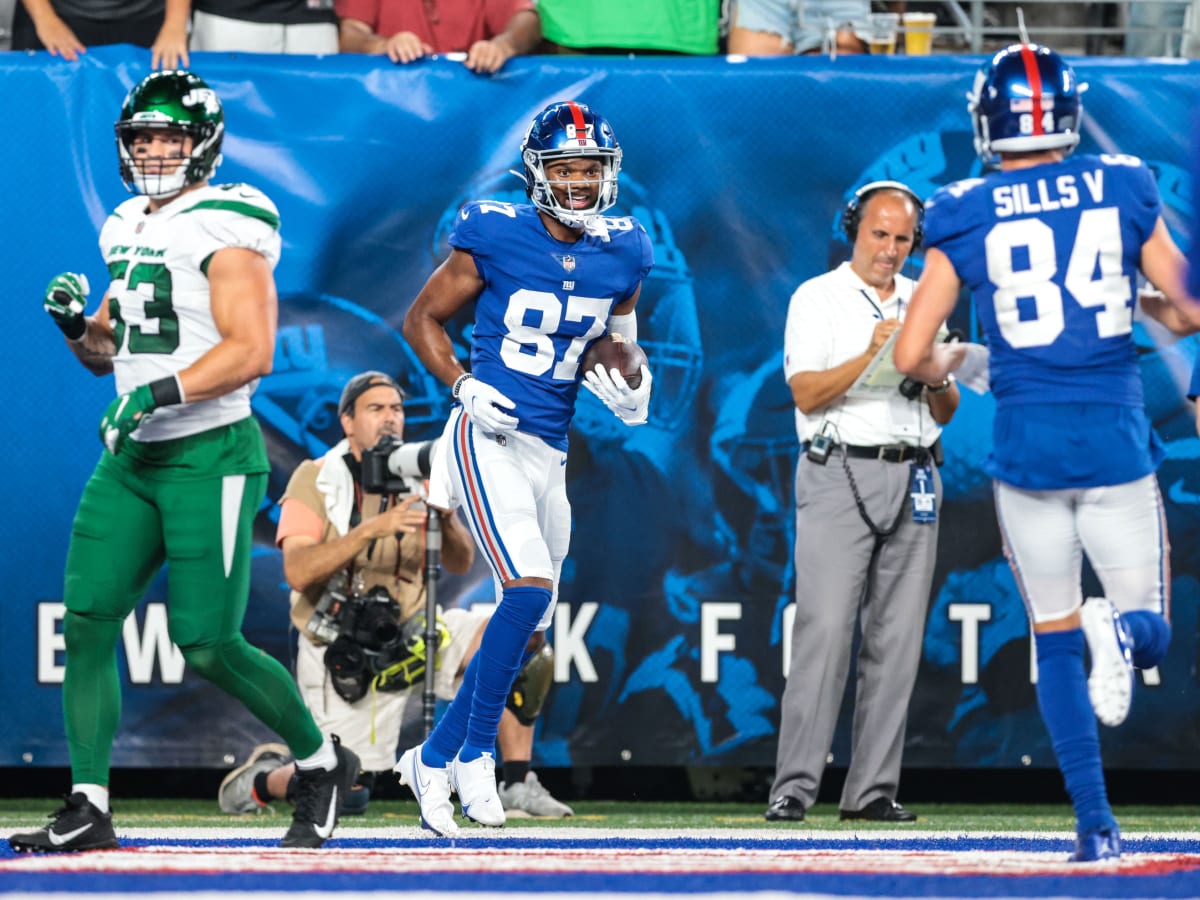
(1050, 248)
(186, 326)
(546, 279)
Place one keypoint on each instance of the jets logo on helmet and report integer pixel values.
(568, 130)
(178, 101)
(205, 97)
(1025, 98)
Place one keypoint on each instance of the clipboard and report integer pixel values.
(881, 377)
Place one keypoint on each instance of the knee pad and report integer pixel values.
(531, 686)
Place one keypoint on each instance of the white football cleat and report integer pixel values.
(1110, 681)
(431, 787)
(475, 784)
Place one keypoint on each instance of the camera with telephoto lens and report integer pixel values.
(371, 621)
(394, 467)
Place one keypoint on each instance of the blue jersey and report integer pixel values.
(544, 302)
(1050, 254)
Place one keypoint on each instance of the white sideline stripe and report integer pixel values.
(433, 895)
(270, 832)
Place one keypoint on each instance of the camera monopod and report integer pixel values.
(433, 565)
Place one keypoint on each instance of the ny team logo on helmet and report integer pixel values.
(175, 100)
(565, 130)
(1025, 98)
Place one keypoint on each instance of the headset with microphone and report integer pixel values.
(852, 214)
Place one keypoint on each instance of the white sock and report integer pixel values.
(325, 758)
(97, 794)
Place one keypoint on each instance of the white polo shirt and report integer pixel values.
(830, 320)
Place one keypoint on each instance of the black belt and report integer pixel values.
(893, 453)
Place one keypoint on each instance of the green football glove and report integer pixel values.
(124, 415)
(130, 410)
(65, 300)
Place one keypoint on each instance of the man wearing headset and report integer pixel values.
(867, 497)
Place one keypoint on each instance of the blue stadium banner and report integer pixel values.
(671, 633)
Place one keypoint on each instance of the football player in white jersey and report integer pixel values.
(187, 326)
(546, 279)
(1050, 248)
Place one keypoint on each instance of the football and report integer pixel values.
(616, 352)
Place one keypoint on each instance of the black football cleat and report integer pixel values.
(320, 795)
(77, 826)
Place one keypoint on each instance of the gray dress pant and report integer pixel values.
(844, 574)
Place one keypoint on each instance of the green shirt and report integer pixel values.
(682, 26)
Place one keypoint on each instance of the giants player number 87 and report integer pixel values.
(547, 279)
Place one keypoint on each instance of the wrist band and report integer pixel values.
(943, 387)
(73, 329)
(167, 391)
(462, 379)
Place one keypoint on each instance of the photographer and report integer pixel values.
(354, 558)
(868, 496)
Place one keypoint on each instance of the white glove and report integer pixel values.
(631, 406)
(485, 405)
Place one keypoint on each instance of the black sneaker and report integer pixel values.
(320, 795)
(78, 825)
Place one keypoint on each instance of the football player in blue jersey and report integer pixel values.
(1050, 248)
(547, 280)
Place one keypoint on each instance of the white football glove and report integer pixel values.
(485, 405)
(631, 406)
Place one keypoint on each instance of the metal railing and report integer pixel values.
(1137, 27)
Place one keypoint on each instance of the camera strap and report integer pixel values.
(356, 474)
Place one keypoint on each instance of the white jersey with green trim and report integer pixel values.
(159, 300)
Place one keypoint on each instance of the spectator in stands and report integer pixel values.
(265, 26)
(1155, 28)
(779, 27)
(67, 28)
(621, 26)
(490, 32)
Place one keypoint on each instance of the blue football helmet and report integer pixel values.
(1026, 97)
(564, 130)
(668, 319)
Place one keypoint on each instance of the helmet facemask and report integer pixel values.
(541, 191)
(193, 166)
(570, 130)
(178, 101)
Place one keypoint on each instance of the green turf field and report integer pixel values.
(131, 813)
